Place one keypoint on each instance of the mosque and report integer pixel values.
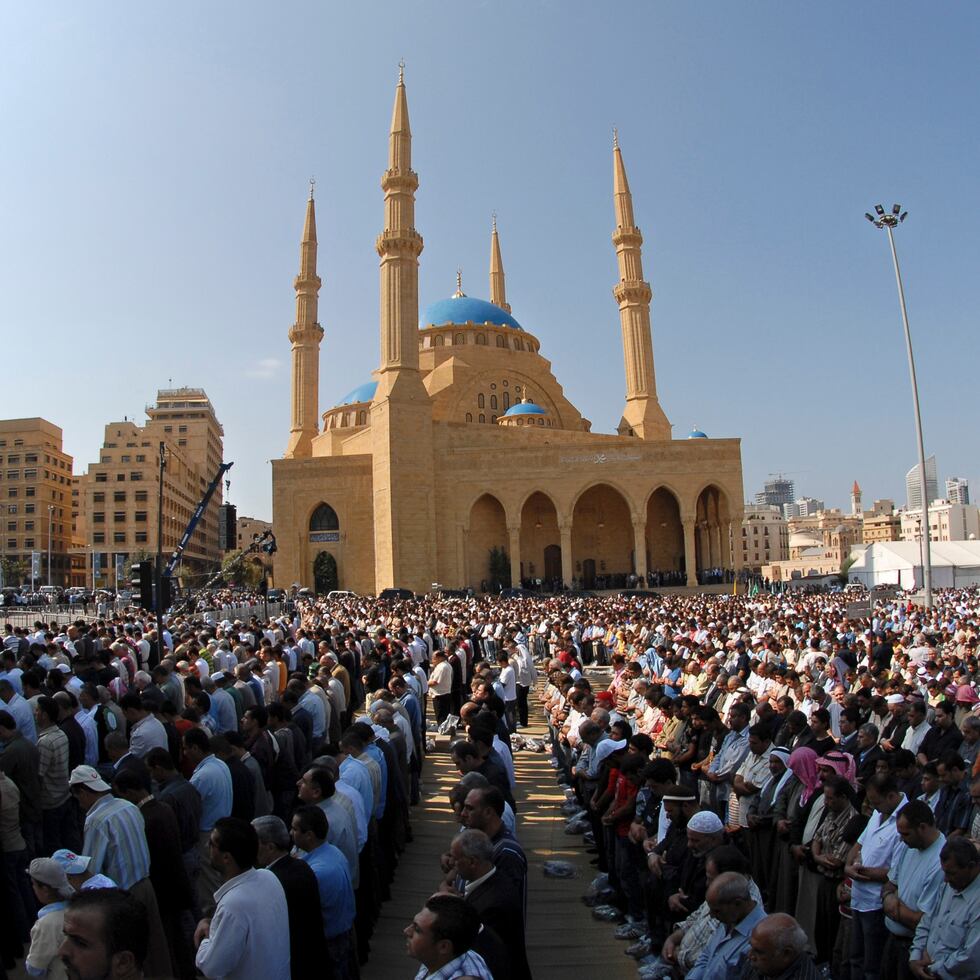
(463, 462)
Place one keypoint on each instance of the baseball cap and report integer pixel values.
(73, 864)
(49, 872)
(87, 776)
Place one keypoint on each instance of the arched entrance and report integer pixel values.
(540, 538)
(602, 533)
(486, 540)
(712, 547)
(324, 573)
(665, 539)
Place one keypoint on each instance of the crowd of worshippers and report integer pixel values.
(252, 808)
(738, 801)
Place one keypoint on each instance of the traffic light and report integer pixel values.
(142, 582)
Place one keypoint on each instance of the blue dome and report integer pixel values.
(364, 393)
(697, 434)
(465, 309)
(524, 408)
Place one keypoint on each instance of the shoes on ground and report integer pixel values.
(639, 949)
(629, 930)
(607, 913)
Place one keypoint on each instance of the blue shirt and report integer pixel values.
(379, 757)
(336, 893)
(212, 779)
(355, 774)
(725, 948)
(919, 876)
(13, 675)
(950, 933)
(222, 712)
(313, 706)
(115, 840)
(411, 705)
(20, 711)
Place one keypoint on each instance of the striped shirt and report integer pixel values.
(52, 750)
(470, 964)
(115, 839)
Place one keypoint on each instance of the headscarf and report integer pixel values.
(842, 763)
(783, 756)
(803, 762)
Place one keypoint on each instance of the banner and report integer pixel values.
(120, 568)
(96, 563)
(35, 564)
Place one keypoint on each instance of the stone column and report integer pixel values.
(640, 549)
(461, 557)
(515, 555)
(727, 541)
(714, 535)
(567, 568)
(703, 545)
(690, 551)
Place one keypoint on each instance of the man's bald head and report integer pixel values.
(777, 942)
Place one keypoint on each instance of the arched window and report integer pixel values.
(440, 341)
(501, 340)
(506, 400)
(459, 340)
(518, 344)
(493, 401)
(362, 418)
(481, 402)
(346, 421)
(493, 419)
(469, 416)
(324, 519)
(481, 338)
(483, 418)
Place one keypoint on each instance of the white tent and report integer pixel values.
(955, 564)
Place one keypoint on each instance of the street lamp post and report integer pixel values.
(50, 518)
(882, 219)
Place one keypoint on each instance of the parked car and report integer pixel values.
(637, 594)
(393, 595)
(516, 593)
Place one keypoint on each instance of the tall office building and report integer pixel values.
(913, 484)
(957, 490)
(776, 492)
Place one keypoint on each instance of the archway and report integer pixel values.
(602, 532)
(487, 535)
(711, 545)
(539, 532)
(324, 573)
(324, 518)
(665, 539)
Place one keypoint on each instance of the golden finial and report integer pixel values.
(312, 186)
(493, 218)
(459, 285)
(401, 72)
(615, 138)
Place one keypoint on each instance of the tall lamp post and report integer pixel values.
(890, 221)
(158, 577)
(50, 518)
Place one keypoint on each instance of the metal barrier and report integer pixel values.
(64, 614)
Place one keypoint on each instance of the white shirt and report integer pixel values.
(880, 848)
(508, 681)
(914, 736)
(441, 679)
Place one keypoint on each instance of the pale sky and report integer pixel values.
(156, 158)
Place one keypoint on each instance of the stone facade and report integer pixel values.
(466, 442)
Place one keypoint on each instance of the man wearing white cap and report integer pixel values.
(52, 891)
(893, 731)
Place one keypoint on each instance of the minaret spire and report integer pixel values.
(643, 416)
(305, 336)
(498, 290)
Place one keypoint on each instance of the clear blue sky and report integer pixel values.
(155, 169)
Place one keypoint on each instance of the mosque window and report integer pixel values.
(324, 519)
(518, 344)
(493, 386)
(493, 418)
(459, 340)
(346, 420)
(469, 416)
(493, 401)
(506, 399)
(362, 418)
(481, 401)
(440, 341)
(483, 418)
(505, 383)
(501, 340)
(481, 339)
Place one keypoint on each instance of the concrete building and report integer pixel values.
(883, 526)
(957, 490)
(913, 485)
(947, 522)
(35, 502)
(118, 496)
(776, 492)
(804, 507)
(464, 442)
(249, 528)
(765, 536)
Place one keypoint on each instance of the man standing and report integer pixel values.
(145, 730)
(248, 936)
(105, 935)
(318, 787)
(60, 828)
(441, 685)
(19, 760)
(19, 710)
(441, 938)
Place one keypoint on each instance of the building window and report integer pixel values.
(119, 496)
(140, 496)
(469, 416)
(135, 476)
(141, 517)
(493, 401)
(12, 526)
(11, 491)
(98, 498)
(119, 537)
(30, 474)
(459, 340)
(28, 526)
(11, 544)
(28, 509)
(481, 402)
(101, 477)
(98, 517)
(168, 428)
(120, 478)
(98, 537)
(481, 339)
(125, 459)
(13, 474)
(140, 459)
(493, 419)
(501, 340)
(13, 460)
(119, 517)
(483, 418)
(506, 399)
(181, 428)
(28, 542)
(140, 537)
(324, 519)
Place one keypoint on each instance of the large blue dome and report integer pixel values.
(465, 309)
(364, 393)
(524, 408)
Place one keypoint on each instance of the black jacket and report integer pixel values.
(307, 947)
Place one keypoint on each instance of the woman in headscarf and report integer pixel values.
(791, 813)
(762, 840)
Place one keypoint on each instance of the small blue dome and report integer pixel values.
(524, 408)
(465, 309)
(364, 393)
(697, 434)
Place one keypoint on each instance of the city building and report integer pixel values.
(957, 490)
(947, 522)
(881, 523)
(463, 462)
(776, 492)
(765, 536)
(804, 507)
(118, 497)
(35, 503)
(248, 529)
(913, 485)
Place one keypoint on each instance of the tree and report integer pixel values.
(499, 568)
(15, 571)
(845, 568)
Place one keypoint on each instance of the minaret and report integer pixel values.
(856, 499)
(401, 413)
(305, 336)
(643, 416)
(498, 291)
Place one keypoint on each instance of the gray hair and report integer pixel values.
(870, 729)
(271, 830)
(730, 886)
(786, 934)
(475, 845)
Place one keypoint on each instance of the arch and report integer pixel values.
(440, 341)
(712, 515)
(483, 417)
(324, 518)
(481, 339)
(664, 537)
(530, 493)
(602, 532)
(539, 532)
(501, 340)
(469, 416)
(506, 400)
(459, 339)
(481, 400)
(324, 573)
(606, 482)
(487, 534)
(493, 401)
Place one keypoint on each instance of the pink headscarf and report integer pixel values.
(842, 763)
(803, 762)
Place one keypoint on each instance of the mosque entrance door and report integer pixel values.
(588, 573)
(552, 563)
(324, 573)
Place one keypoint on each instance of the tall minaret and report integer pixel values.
(305, 336)
(643, 416)
(498, 291)
(401, 413)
